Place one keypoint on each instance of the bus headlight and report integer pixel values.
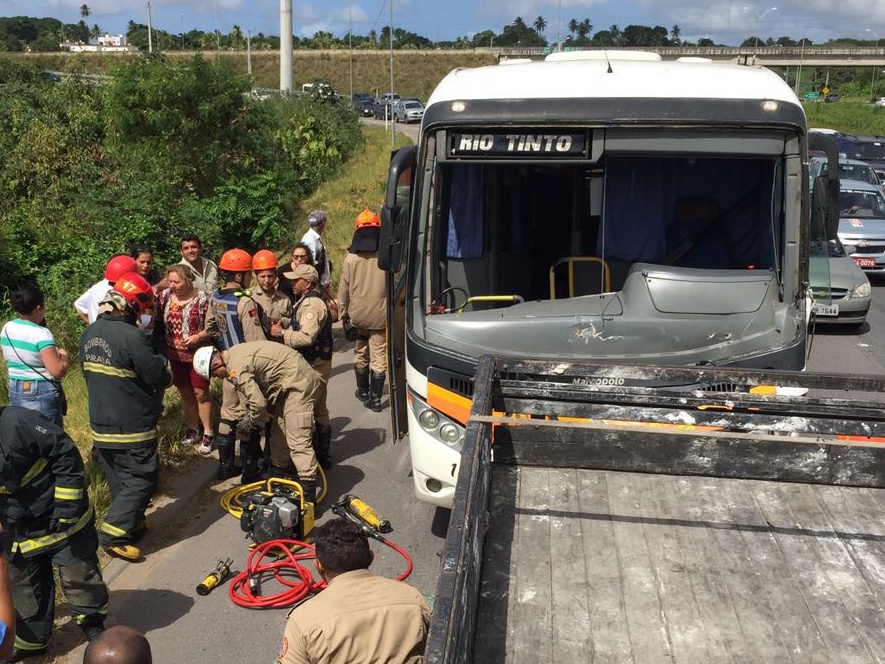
(449, 433)
(428, 419)
(445, 430)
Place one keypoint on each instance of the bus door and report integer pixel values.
(392, 257)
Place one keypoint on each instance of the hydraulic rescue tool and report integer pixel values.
(361, 513)
(276, 510)
(216, 577)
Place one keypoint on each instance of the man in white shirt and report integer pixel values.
(86, 305)
(313, 239)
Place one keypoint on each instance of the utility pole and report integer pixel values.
(249, 53)
(350, 45)
(286, 46)
(150, 29)
(390, 105)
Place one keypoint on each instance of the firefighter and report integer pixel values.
(271, 377)
(125, 380)
(235, 317)
(310, 333)
(276, 304)
(362, 299)
(45, 507)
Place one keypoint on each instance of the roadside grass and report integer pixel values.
(415, 73)
(360, 183)
(846, 116)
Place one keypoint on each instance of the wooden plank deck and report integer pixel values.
(632, 567)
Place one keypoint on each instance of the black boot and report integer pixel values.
(362, 383)
(376, 391)
(310, 490)
(224, 442)
(250, 453)
(322, 442)
(287, 473)
(92, 628)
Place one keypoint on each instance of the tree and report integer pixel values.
(84, 11)
(484, 38)
(540, 25)
(519, 34)
(676, 35)
(583, 29)
(573, 26)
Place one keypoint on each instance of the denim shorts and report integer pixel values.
(39, 395)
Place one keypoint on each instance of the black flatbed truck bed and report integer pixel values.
(552, 560)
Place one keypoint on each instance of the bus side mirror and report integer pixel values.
(390, 240)
(824, 209)
(396, 209)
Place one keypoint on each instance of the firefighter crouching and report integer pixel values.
(125, 380)
(310, 333)
(235, 317)
(273, 381)
(46, 511)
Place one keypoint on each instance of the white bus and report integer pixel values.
(630, 210)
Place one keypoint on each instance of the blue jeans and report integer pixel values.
(39, 395)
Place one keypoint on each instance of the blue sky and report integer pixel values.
(724, 21)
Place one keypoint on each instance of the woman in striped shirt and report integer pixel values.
(35, 363)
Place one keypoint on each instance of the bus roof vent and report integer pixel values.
(603, 54)
(693, 58)
(515, 61)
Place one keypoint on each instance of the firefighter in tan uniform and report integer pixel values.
(272, 381)
(310, 333)
(276, 304)
(359, 618)
(235, 317)
(362, 303)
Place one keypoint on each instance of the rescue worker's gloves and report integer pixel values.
(349, 330)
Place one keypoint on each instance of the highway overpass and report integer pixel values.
(768, 56)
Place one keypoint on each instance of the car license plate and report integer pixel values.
(826, 309)
(864, 262)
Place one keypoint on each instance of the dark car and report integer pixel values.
(870, 149)
(381, 109)
(365, 108)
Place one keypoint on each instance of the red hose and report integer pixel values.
(275, 559)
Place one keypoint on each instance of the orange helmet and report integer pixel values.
(367, 219)
(118, 266)
(235, 260)
(264, 260)
(136, 291)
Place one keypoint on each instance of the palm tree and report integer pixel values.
(236, 36)
(540, 25)
(675, 35)
(573, 26)
(583, 29)
(84, 11)
(616, 34)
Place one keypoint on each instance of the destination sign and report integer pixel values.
(519, 143)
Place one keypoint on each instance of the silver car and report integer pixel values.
(408, 111)
(862, 224)
(843, 295)
(849, 169)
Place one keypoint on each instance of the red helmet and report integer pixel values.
(367, 219)
(136, 291)
(118, 266)
(235, 260)
(264, 260)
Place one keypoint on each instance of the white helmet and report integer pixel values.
(203, 361)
